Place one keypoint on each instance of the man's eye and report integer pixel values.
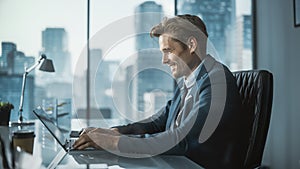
(169, 51)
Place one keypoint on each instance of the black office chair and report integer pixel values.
(256, 90)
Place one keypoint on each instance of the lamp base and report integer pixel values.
(23, 123)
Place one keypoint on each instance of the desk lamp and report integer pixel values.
(47, 66)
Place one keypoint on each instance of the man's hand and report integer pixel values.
(112, 131)
(98, 138)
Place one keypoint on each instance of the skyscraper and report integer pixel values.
(147, 73)
(9, 50)
(7, 47)
(217, 15)
(242, 56)
(55, 46)
(11, 76)
(147, 15)
(95, 59)
(151, 75)
(10, 91)
(103, 90)
(21, 61)
(57, 84)
(155, 100)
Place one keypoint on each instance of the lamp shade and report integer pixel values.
(47, 66)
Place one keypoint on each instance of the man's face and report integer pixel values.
(175, 56)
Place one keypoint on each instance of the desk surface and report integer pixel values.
(46, 148)
(94, 161)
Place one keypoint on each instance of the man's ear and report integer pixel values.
(192, 44)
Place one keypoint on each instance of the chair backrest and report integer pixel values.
(256, 90)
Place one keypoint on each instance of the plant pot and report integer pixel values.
(4, 117)
(5, 109)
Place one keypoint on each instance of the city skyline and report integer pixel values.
(28, 36)
(55, 40)
(73, 19)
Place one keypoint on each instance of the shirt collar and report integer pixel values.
(191, 79)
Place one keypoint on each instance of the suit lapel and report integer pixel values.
(188, 105)
(174, 109)
(206, 66)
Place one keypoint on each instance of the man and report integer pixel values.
(204, 119)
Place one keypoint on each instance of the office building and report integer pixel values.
(11, 77)
(7, 48)
(148, 73)
(10, 91)
(246, 22)
(103, 90)
(275, 41)
(21, 61)
(79, 97)
(151, 12)
(239, 43)
(102, 73)
(55, 46)
(95, 60)
(155, 100)
(123, 86)
(217, 15)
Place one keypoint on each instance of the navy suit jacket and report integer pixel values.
(214, 131)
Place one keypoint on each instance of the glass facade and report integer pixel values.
(127, 78)
(49, 28)
(130, 65)
(229, 25)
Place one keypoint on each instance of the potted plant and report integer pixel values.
(5, 108)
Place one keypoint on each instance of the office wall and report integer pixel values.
(278, 47)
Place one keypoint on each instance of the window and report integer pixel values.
(28, 29)
(59, 30)
(229, 25)
(126, 76)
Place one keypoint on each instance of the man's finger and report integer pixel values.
(81, 140)
(85, 145)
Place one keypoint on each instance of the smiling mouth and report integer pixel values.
(172, 67)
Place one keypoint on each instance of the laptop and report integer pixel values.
(65, 142)
(60, 137)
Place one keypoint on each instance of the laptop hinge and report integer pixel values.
(67, 145)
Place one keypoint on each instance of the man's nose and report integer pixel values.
(165, 58)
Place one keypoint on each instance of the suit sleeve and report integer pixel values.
(172, 141)
(154, 124)
(181, 140)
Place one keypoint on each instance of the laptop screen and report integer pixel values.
(49, 124)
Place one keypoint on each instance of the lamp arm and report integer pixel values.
(35, 65)
(22, 97)
(27, 71)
